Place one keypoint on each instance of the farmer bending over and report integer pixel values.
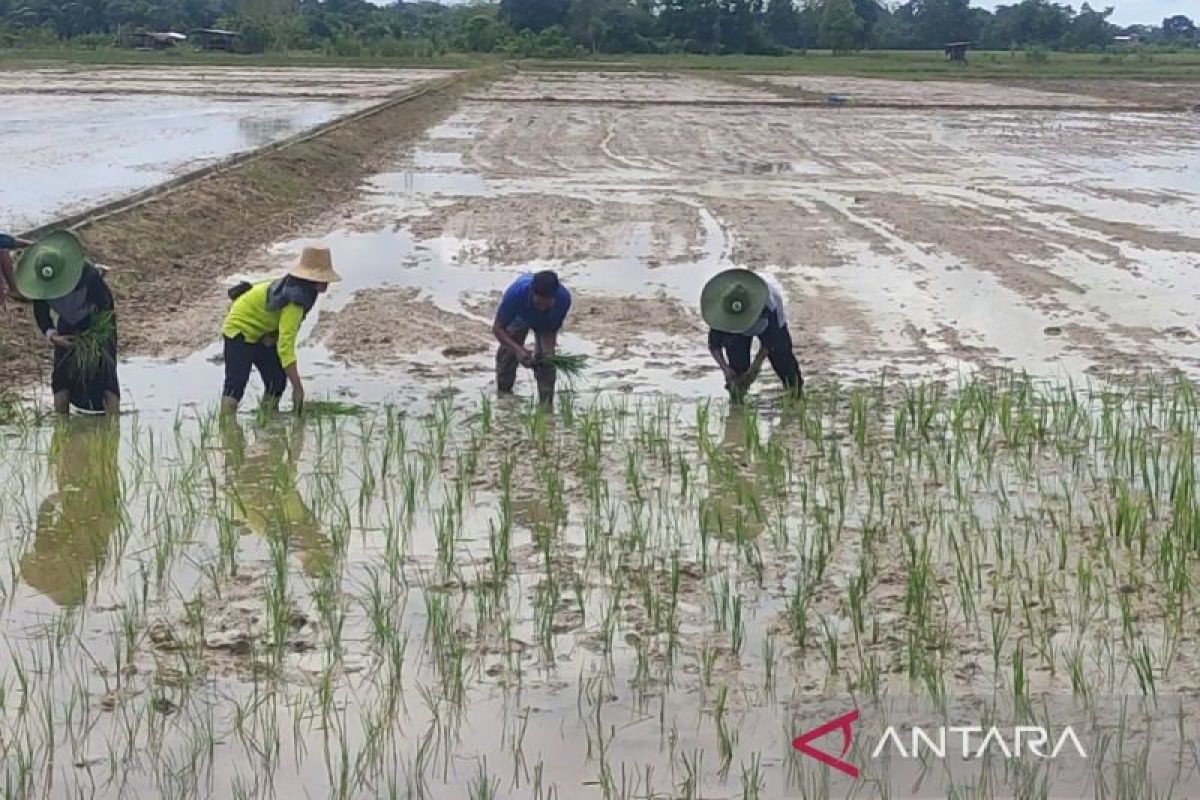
(535, 302)
(8, 281)
(262, 325)
(74, 311)
(739, 305)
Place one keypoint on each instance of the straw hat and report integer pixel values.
(50, 268)
(316, 264)
(733, 300)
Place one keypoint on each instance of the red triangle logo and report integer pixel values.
(803, 743)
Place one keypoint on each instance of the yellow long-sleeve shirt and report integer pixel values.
(250, 317)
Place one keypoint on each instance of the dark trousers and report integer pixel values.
(240, 356)
(87, 391)
(506, 367)
(778, 342)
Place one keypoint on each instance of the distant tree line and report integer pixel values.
(566, 27)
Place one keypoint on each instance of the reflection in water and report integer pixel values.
(258, 131)
(76, 522)
(262, 485)
(736, 479)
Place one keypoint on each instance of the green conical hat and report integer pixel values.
(733, 300)
(51, 268)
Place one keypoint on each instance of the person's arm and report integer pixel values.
(504, 317)
(717, 351)
(290, 320)
(500, 331)
(46, 326)
(747, 379)
(547, 343)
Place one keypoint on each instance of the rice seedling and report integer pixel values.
(89, 351)
(1003, 533)
(333, 408)
(569, 365)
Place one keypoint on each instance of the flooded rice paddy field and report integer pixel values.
(910, 241)
(630, 598)
(76, 138)
(419, 590)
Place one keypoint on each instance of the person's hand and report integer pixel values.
(526, 357)
(731, 377)
(746, 380)
(61, 340)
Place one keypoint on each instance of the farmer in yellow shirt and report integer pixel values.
(261, 328)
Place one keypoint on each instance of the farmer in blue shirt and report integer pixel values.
(537, 303)
(8, 284)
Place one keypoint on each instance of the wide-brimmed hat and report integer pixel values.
(733, 300)
(316, 264)
(51, 267)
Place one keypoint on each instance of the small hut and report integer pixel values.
(157, 40)
(957, 51)
(216, 39)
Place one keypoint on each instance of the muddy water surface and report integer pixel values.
(424, 591)
(74, 139)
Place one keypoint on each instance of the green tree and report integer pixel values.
(534, 15)
(1178, 29)
(869, 12)
(840, 25)
(782, 21)
(1089, 29)
(942, 21)
(482, 33)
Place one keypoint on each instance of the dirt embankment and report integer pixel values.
(167, 255)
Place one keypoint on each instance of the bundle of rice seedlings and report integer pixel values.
(569, 365)
(89, 349)
(332, 408)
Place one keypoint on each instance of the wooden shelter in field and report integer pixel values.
(957, 51)
(156, 40)
(216, 39)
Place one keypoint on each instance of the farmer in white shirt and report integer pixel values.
(738, 306)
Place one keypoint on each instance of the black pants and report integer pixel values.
(778, 342)
(87, 391)
(506, 367)
(240, 356)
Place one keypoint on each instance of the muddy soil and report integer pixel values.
(1166, 93)
(421, 340)
(916, 242)
(224, 82)
(167, 256)
(132, 143)
(589, 87)
(903, 240)
(936, 93)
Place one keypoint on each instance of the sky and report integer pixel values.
(1127, 12)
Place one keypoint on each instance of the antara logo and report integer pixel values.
(803, 743)
(974, 742)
